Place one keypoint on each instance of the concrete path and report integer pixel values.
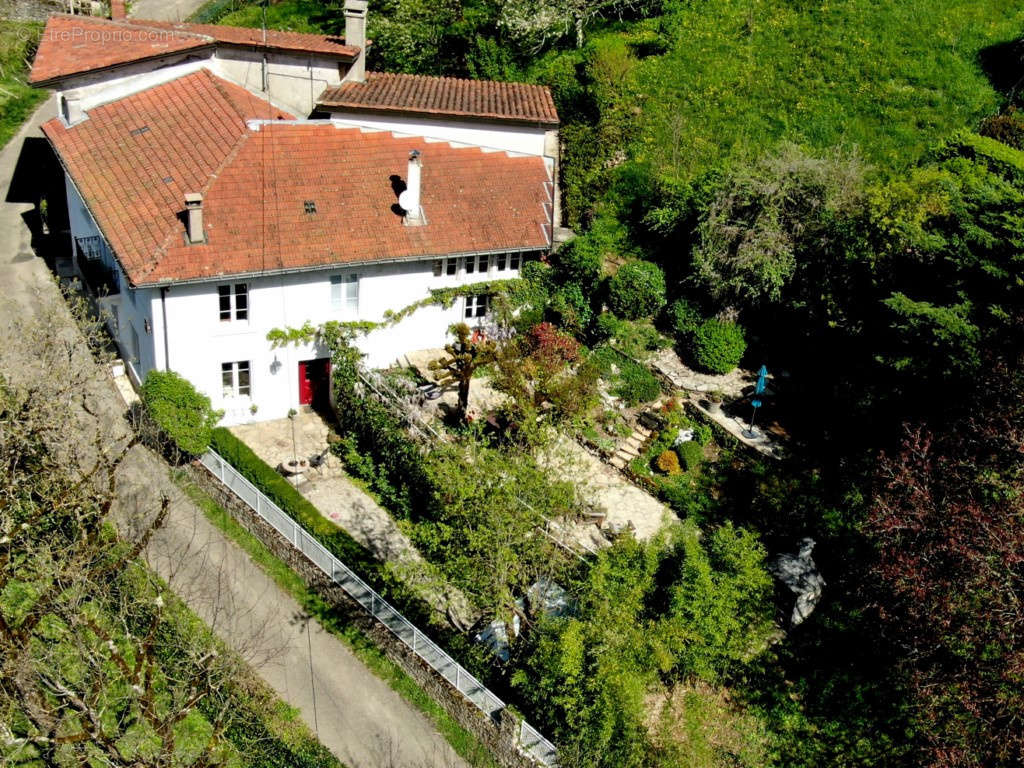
(349, 507)
(165, 10)
(357, 716)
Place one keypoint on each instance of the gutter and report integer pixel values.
(163, 310)
(343, 107)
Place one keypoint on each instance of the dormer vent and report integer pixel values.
(409, 200)
(194, 218)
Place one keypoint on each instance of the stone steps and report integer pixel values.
(631, 447)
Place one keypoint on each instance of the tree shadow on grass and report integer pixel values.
(1003, 64)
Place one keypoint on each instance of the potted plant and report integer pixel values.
(713, 402)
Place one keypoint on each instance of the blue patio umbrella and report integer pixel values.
(762, 378)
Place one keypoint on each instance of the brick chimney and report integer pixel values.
(194, 218)
(118, 10)
(355, 34)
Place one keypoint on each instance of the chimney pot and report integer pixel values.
(355, 34)
(410, 199)
(118, 10)
(194, 218)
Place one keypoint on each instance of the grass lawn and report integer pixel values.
(17, 100)
(887, 77)
(461, 740)
(291, 15)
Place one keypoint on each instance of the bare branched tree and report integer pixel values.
(99, 662)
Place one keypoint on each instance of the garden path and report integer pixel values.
(352, 509)
(669, 365)
(601, 484)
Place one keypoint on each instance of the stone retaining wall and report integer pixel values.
(500, 738)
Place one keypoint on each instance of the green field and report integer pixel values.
(728, 79)
(17, 100)
(292, 15)
(887, 77)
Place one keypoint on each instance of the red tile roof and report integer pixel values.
(255, 183)
(75, 44)
(71, 45)
(481, 99)
(244, 36)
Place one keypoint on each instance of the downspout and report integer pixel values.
(266, 73)
(163, 310)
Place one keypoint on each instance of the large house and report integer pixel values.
(224, 182)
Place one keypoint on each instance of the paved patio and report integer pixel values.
(483, 398)
(343, 502)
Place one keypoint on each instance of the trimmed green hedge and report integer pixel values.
(718, 346)
(692, 454)
(182, 413)
(293, 503)
(637, 290)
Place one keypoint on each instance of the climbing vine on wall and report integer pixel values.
(440, 297)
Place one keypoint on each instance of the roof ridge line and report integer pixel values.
(133, 24)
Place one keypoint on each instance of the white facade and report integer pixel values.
(199, 342)
(524, 139)
(129, 311)
(294, 81)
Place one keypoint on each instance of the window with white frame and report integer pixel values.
(477, 305)
(484, 263)
(514, 260)
(451, 266)
(501, 261)
(345, 293)
(236, 379)
(470, 265)
(234, 302)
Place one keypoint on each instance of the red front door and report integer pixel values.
(314, 380)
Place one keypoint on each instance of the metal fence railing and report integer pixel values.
(531, 742)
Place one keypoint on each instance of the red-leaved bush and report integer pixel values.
(947, 516)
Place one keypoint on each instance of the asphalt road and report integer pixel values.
(357, 716)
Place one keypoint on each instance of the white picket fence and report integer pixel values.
(531, 742)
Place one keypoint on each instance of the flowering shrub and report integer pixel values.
(668, 462)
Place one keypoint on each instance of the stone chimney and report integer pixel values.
(194, 218)
(118, 10)
(409, 200)
(355, 34)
